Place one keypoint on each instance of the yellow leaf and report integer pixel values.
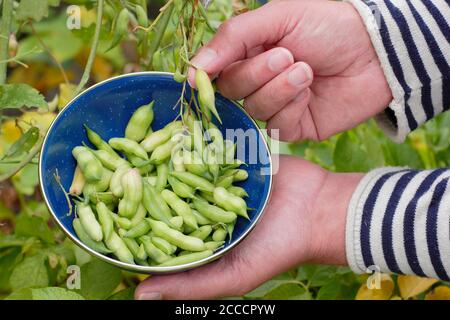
(411, 286)
(66, 93)
(40, 120)
(10, 131)
(142, 277)
(396, 298)
(439, 293)
(386, 288)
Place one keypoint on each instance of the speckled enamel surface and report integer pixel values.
(107, 107)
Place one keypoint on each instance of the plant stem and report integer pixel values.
(4, 37)
(34, 151)
(92, 53)
(161, 29)
(47, 49)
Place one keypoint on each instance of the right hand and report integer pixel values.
(269, 56)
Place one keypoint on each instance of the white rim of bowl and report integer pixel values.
(135, 267)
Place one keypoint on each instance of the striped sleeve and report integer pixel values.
(412, 41)
(399, 221)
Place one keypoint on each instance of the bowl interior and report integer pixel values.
(107, 107)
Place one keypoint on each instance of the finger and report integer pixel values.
(218, 279)
(287, 121)
(235, 36)
(274, 95)
(244, 77)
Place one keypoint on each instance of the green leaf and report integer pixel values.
(23, 144)
(99, 279)
(55, 293)
(30, 273)
(36, 10)
(125, 294)
(316, 275)
(8, 261)
(330, 291)
(49, 293)
(26, 180)
(349, 156)
(288, 291)
(33, 226)
(20, 95)
(265, 288)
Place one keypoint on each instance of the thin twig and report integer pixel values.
(92, 53)
(4, 39)
(47, 49)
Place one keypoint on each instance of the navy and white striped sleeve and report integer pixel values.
(412, 41)
(399, 219)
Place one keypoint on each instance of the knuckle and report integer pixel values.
(229, 28)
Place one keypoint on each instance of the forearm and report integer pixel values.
(412, 41)
(398, 221)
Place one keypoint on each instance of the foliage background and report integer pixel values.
(44, 54)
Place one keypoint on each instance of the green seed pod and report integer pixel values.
(151, 180)
(230, 202)
(206, 96)
(142, 254)
(177, 161)
(121, 222)
(237, 191)
(187, 258)
(162, 152)
(108, 160)
(164, 245)
(139, 230)
(139, 122)
(101, 185)
(78, 182)
(219, 234)
(132, 245)
(84, 237)
(116, 181)
(153, 252)
(155, 205)
(119, 248)
(181, 189)
(132, 193)
(121, 27)
(225, 181)
(194, 163)
(180, 207)
(179, 77)
(202, 232)
(201, 220)
(139, 216)
(97, 141)
(105, 219)
(214, 245)
(194, 181)
(207, 196)
(175, 237)
(240, 175)
(176, 222)
(157, 138)
(162, 171)
(214, 213)
(128, 146)
(89, 222)
(90, 166)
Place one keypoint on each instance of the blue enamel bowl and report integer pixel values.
(106, 108)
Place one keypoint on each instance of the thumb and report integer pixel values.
(236, 37)
(218, 279)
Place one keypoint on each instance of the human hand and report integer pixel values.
(269, 56)
(304, 222)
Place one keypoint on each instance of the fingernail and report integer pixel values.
(280, 60)
(205, 57)
(150, 296)
(301, 74)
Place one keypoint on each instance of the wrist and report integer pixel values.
(330, 215)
